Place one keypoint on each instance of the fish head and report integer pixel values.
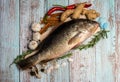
(86, 26)
(92, 26)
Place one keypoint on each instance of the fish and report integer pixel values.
(67, 36)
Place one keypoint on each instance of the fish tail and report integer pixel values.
(28, 62)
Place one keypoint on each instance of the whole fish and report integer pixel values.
(67, 36)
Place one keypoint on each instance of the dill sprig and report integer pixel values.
(96, 38)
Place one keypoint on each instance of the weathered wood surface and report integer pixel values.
(99, 64)
(9, 39)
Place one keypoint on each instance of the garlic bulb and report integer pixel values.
(36, 36)
(33, 45)
(36, 27)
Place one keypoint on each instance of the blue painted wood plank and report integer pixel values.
(62, 74)
(9, 39)
(95, 62)
(106, 48)
(30, 11)
(82, 69)
(116, 58)
(99, 64)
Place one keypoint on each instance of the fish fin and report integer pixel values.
(75, 39)
(76, 46)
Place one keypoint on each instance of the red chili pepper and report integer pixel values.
(59, 8)
(71, 6)
(55, 9)
(87, 5)
(74, 5)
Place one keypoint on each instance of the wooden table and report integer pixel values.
(98, 64)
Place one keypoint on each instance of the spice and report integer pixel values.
(55, 9)
(71, 6)
(87, 5)
(45, 28)
(66, 14)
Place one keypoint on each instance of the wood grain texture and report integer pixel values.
(98, 64)
(95, 63)
(62, 74)
(116, 58)
(9, 39)
(30, 11)
(83, 69)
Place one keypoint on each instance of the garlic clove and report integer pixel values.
(36, 27)
(36, 36)
(33, 45)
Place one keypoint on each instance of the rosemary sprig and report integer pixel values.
(97, 37)
(67, 55)
(21, 57)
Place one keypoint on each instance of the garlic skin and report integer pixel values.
(36, 27)
(33, 45)
(36, 36)
(70, 60)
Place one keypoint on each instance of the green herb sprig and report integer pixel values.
(96, 38)
(21, 57)
(67, 55)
